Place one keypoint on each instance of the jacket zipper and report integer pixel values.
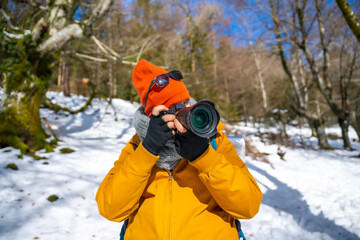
(170, 189)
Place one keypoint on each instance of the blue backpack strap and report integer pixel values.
(123, 229)
(239, 230)
(213, 142)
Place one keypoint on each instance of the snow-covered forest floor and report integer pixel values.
(311, 194)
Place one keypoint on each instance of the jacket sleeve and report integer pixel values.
(119, 193)
(228, 179)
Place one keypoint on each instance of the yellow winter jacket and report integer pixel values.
(197, 200)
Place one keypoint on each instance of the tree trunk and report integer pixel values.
(356, 127)
(216, 61)
(66, 75)
(355, 123)
(24, 131)
(282, 129)
(319, 126)
(60, 73)
(344, 124)
(193, 66)
(261, 80)
(97, 73)
(110, 79)
(245, 112)
(191, 39)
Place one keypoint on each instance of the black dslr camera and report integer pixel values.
(201, 118)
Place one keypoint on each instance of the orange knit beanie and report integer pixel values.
(173, 93)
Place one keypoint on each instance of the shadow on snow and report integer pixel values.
(300, 210)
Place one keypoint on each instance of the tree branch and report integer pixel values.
(7, 18)
(145, 45)
(55, 107)
(279, 40)
(91, 58)
(73, 30)
(99, 10)
(324, 45)
(350, 17)
(105, 49)
(59, 39)
(110, 53)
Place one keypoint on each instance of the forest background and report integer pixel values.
(273, 61)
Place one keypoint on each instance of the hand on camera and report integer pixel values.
(187, 144)
(160, 130)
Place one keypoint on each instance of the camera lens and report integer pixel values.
(201, 119)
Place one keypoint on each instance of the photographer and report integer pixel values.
(170, 183)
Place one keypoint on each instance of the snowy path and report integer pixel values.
(312, 195)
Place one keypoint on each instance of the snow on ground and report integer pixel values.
(313, 194)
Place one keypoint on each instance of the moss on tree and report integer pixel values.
(25, 82)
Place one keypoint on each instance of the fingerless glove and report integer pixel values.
(158, 133)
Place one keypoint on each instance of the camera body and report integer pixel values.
(174, 109)
(201, 118)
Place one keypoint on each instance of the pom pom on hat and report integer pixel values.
(175, 92)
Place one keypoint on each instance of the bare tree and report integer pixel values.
(346, 66)
(250, 26)
(315, 46)
(294, 70)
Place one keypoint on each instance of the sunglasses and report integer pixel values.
(163, 80)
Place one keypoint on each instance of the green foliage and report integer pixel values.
(52, 198)
(12, 166)
(66, 150)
